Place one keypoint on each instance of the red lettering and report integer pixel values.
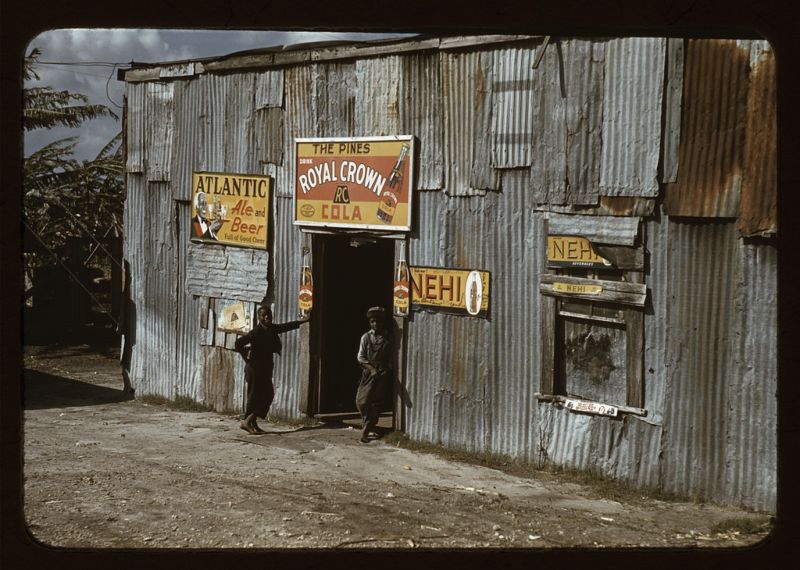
(242, 208)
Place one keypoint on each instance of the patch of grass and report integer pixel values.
(742, 525)
(596, 484)
(180, 403)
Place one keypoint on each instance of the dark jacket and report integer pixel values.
(258, 346)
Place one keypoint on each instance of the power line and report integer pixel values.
(79, 72)
(85, 63)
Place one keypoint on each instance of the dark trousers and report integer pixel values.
(260, 391)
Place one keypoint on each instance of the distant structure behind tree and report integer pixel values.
(72, 215)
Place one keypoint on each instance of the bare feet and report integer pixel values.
(248, 428)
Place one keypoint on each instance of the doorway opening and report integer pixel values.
(354, 274)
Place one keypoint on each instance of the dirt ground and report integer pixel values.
(101, 470)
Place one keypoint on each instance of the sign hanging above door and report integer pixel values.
(356, 182)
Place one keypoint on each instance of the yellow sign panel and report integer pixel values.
(358, 182)
(572, 251)
(577, 289)
(230, 209)
(450, 289)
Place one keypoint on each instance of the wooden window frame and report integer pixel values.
(630, 296)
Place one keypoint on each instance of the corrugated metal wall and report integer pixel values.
(632, 100)
(752, 439)
(291, 367)
(421, 115)
(581, 133)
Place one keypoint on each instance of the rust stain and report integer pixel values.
(625, 206)
(758, 214)
(712, 131)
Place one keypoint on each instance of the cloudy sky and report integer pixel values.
(86, 61)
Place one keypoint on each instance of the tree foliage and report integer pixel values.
(65, 197)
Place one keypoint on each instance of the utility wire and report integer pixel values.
(75, 277)
(84, 63)
(108, 95)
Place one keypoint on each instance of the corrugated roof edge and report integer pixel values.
(276, 56)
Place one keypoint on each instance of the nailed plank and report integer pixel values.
(634, 350)
(547, 324)
(612, 291)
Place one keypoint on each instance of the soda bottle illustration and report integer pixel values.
(388, 201)
(306, 294)
(401, 285)
(396, 175)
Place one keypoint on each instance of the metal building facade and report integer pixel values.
(514, 133)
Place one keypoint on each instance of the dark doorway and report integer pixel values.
(355, 274)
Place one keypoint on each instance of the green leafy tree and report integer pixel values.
(65, 197)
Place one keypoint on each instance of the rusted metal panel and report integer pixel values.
(299, 121)
(421, 115)
(549, 166)
(335, 98)
(608, 206)
(584, 61)
(513, 101)
(672, 109)
(377, 96)
(459, 94)
(758, 210)
(712, 131)
(136, 101)
(226, 272)
(632, 101)
(601, 229)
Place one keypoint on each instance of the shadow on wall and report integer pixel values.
(43, 391)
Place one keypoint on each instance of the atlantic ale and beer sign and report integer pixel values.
(451, 290)
(230, 209)
(361, 182)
